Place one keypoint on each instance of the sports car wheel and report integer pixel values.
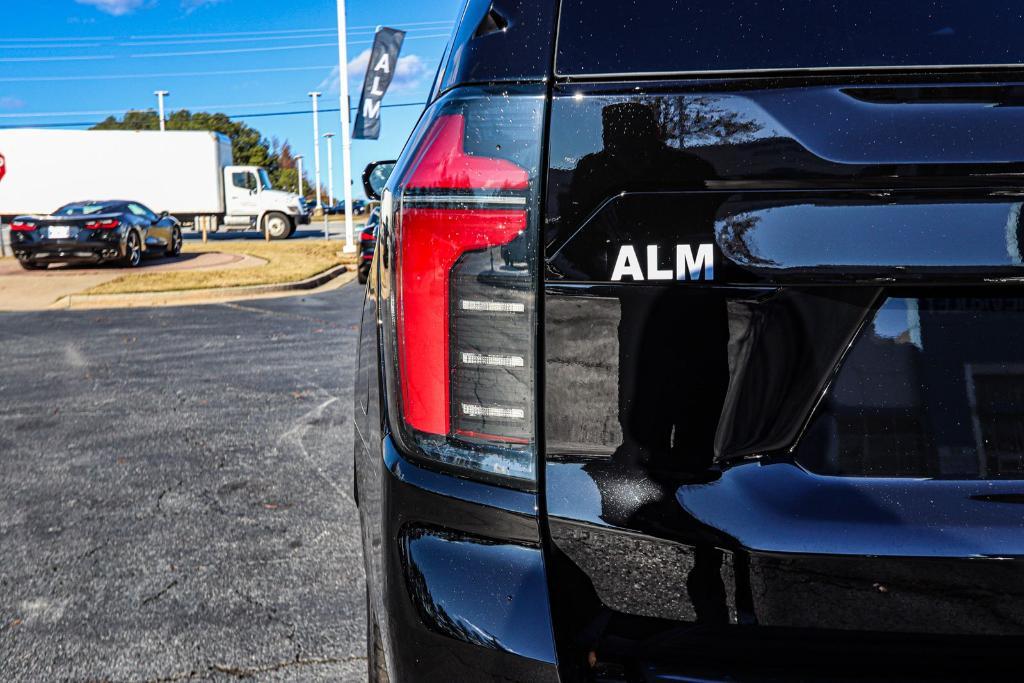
(174, 247)
(133, 250)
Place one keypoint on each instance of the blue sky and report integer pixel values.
(75, 61)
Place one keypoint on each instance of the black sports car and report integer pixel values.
(94, 232)
(368, 244)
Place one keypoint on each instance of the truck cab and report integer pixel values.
(251, 202)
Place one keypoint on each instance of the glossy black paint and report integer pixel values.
(688, 537)
(368, 244)
(498, 41)
(704, 510)
(455, 571)
(737, 35)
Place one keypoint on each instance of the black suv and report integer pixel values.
(693, 348)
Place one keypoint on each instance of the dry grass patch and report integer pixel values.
(287, 261)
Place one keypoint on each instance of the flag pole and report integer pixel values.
(346, 128)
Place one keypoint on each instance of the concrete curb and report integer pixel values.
(195, 296)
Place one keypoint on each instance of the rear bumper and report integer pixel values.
(301, 219)
(461, 592)
(68, 251)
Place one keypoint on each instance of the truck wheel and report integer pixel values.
(278, 225)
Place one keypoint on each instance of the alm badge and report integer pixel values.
(688, 266)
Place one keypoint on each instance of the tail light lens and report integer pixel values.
(21, 226)
(463, 213)
(103, 224)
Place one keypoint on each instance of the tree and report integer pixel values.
(248, 146)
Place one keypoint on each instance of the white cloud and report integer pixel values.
(192, 5)
(409, 74)
(114, 7)
(11, 103)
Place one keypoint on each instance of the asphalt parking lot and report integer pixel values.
(175, 496)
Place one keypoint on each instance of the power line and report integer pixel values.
(323, 33)
(166, 74)
(447, 22)
(70, 58)
(256, 115)
(232, 51)
(20, 46)
(52, 39)
(243, 50)
(196, 53)
(424, 26)
(104, 112)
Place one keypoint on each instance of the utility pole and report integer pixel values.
(160, 95)
(316, 146)
(346, 132)
(298, 162)
(330, 168)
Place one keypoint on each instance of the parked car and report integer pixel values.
(367, 244)
(338, 209)
(94, 232)
(691, 348)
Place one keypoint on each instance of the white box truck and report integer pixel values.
(186, 173)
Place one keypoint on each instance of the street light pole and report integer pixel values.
(298, 162)
(160, 95)
(330, 168)
(346, 139)
(316, 146)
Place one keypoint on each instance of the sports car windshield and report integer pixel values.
(82, 209)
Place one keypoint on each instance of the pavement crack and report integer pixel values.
(298, 430)
(281, 314)
(160, 498)
(161, 593)
(249, 671)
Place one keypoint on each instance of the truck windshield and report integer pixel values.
(265, 180)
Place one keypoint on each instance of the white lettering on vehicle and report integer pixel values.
(688, 265)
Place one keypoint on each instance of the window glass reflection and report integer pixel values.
(933, 387)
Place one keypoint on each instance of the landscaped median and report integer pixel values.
(286, 262)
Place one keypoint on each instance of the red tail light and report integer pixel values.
(465, 283)
(22, 226)
(103, 224)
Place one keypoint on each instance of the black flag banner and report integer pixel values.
(379, 72)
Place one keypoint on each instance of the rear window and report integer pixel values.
(84, 209)
(921, 395)
(728, 35)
